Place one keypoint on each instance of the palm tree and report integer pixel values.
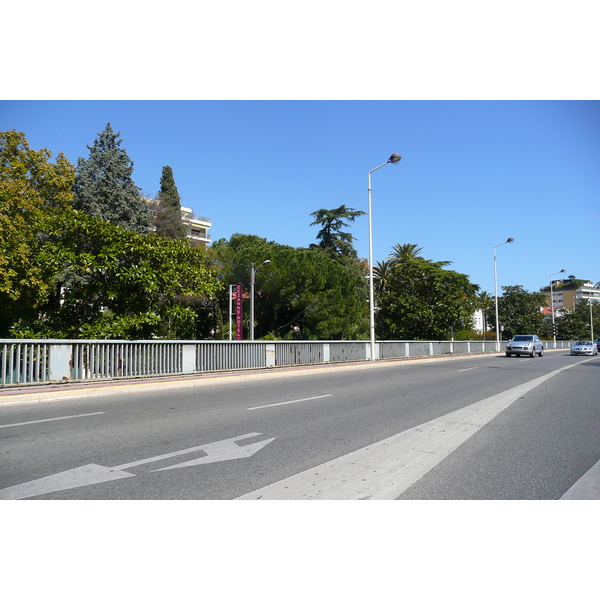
(485, 301)
(404, 252)
(381, 274)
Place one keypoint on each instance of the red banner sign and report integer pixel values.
(238, 312)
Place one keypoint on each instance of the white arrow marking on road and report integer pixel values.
(225, 450)
(92, 473)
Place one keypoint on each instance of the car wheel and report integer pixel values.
(508, 355)
(541, 353)
(533, 353)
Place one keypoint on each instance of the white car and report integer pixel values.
(584, 348)
(530, 345)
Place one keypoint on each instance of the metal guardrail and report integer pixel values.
(25, 362)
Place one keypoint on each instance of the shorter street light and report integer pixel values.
(552, 305)
(508, 241)
(252, 280)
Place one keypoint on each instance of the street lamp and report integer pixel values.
(552, 305)
(508, 241)
(252, 279)
(393, 159)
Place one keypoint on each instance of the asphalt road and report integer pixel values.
(484, 427)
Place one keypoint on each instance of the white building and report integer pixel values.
(196, 227)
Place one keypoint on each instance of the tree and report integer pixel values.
(519, 311)
(332, 221)
(381, 274)
(575, 324)
(104, 186)
(485, 302)
(404, 252)
(31, 190)
(167, 218)
(120, 284)
(301, 294)
(424, 301)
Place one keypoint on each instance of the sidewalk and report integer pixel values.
(64, 391)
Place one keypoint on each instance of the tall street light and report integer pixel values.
(393, 159)
(252, 279)
(508, 241)
(552, 304)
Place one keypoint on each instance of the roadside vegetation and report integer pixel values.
(83, 257)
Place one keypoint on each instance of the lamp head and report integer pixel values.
(394, 158)
(510, 240)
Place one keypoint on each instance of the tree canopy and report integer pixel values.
(104, 185)
(422, 300)
(167, 218)
(519, 312)
(332, 221)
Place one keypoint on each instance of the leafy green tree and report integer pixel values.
(167, 218)
(332, 221)
(519, 312)
(301, 294)
(31, 189)
(121, 284)
(575, 324)
(424, 301)
(104, 186)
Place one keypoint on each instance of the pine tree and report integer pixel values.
(104, 186)
(167, 219)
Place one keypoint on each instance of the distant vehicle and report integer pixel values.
(585, 348)
(529, 345)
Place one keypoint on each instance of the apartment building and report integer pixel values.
(566, 296)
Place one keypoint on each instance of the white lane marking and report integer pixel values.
(461, 370)
(384, 470)
(92, 473)
(290, 402)
(586, 487)
(54, 419)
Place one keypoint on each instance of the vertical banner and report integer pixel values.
(238, 312)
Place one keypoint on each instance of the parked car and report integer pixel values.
(585, 348)
(525, 344)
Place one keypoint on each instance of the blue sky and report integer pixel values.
(472, 174)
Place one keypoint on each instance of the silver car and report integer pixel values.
(530, 345)
(584, 348)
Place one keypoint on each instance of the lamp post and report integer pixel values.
(552, 305)
(508, 241)
(393, 159)
(252, 279)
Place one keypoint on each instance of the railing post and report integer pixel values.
(59, 368)
(270, 355)
(188, 358)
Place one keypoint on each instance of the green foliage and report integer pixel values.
(575, 324)
(167, 219)
(519, 312)
(301, 294)
(423, 301)
(115, 283)
(31, 189)
(104, 186)
(332, 221)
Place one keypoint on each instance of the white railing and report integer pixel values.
(42, 361)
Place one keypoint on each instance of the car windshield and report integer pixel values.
(582, 343)
(523, 338)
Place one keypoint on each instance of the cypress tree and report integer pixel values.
(167, 219)
(104, 186)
